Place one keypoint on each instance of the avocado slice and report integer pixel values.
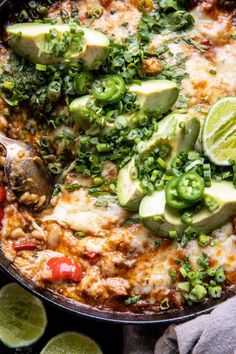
(152, 95)
(169, 130)
(204, 220)
(129, 191)
(155, 95)
(29, 41)
(79, 113)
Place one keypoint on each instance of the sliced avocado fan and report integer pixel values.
(38, 42)
(152, 96)
(160, 218)
(129, 190)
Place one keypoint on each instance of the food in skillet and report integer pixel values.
(133, 106)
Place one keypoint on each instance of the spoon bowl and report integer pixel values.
(26, 173)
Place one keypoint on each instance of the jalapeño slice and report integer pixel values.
(172, 197)
(109, 89)
(120, 89)
(83, 82)
(190, 187)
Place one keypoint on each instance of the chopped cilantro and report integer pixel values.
(170, 16)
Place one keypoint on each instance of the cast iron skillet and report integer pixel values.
(79, 309)
(108, 315)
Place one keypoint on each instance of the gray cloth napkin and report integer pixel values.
(208, 334)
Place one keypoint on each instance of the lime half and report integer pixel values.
(219, 132)
(71, 343)
(22, 317)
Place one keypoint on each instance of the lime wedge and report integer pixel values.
(22, 317)
(219, 132)
(71, 343)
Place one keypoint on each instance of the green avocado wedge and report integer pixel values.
(129, 190)
(79, 112)
(38, 43)
(169, 132)
(153, 209)
(153, 96)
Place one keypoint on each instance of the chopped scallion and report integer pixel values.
(220, 275)
(97, 181)
(80, 234)
(132, 300)
(207, 174)
(159, 218)
(199, 291)
(165, 304)
(204, 240)
(41, 67)
(183, 272)
(184, 286)
(211, 272)
(193, 155)
(215, 291)
(162, 163)
(103, 147)
(173, 234)
(186, 218)
(211, 203)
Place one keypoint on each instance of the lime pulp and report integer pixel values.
(22, 317)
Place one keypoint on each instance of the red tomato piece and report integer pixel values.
(24, 246)
(63, 268)
(2, 194)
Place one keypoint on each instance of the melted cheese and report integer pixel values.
(204, 87)
(78, 211)
(201, 86)
(150, 274)
(217, 29)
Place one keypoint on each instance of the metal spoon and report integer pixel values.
(26, 173)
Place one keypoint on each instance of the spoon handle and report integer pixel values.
(11, 146)
(5, 141)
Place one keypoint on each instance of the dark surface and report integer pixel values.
(89, 312)
(108, 336)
